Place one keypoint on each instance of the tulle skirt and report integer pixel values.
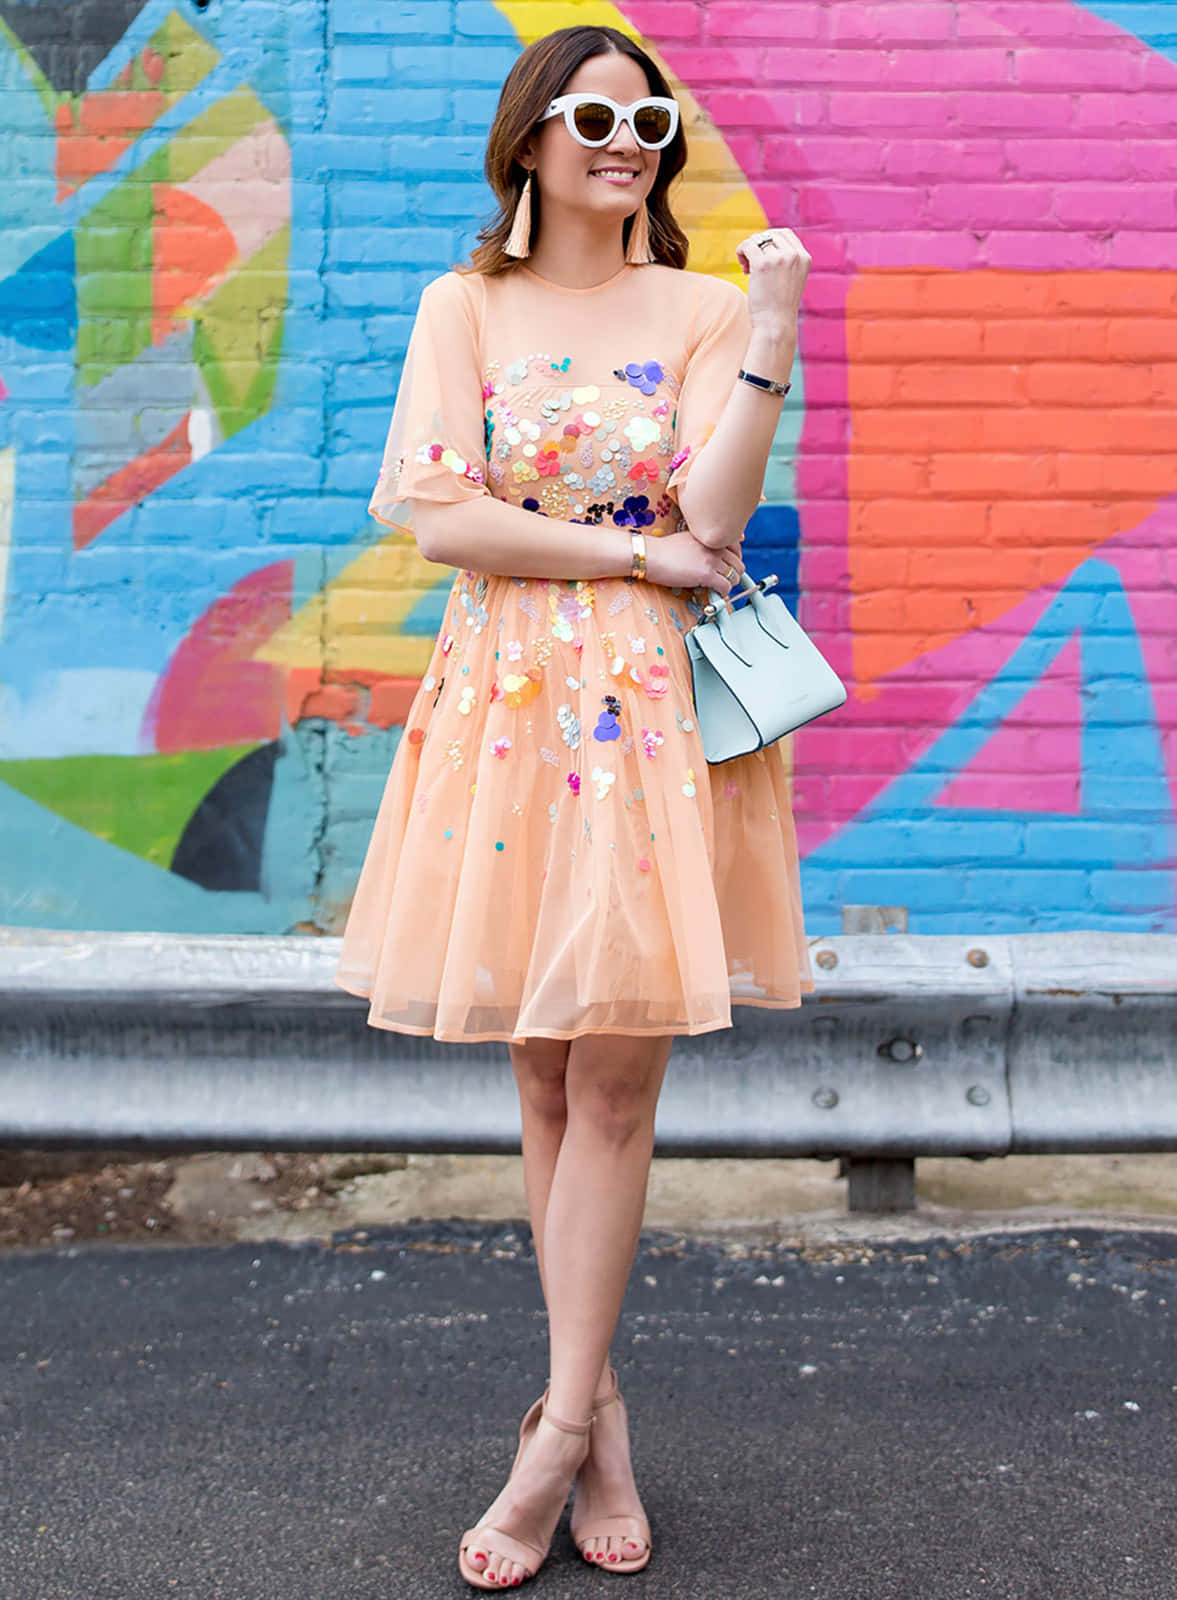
(552, 855)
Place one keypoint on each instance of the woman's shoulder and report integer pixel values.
(717, 292)
(457, 293)
(704, 295)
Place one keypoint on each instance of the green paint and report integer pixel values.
(114, 252)
(213, 132)
(113, 249)
(142, 804)
(188, 58)
(238, 335)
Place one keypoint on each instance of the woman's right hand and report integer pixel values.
(679, 560)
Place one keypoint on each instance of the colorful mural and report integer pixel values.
(208, 272)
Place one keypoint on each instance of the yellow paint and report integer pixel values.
(352, 623)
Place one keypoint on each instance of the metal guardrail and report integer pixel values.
(913, 1045)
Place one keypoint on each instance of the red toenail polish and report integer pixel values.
(613, 1558)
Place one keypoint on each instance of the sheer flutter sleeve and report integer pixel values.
(436, 447)
(721, 328)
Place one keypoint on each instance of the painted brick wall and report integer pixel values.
(217, 220)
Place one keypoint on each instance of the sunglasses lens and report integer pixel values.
(651, 124)
(594, 121)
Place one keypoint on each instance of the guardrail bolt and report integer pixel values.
(826, 1099)
(901, 1050)
(827, 959)
(978, 958)
(976, 1095)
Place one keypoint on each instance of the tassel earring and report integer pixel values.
(638, 250)
(519, 239)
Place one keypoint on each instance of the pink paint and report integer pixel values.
(248, 187)
(1042, 735)
(213, 692)
(1048, 148)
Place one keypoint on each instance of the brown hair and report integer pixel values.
(535, 78)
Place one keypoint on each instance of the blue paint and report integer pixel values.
(1154, 23)
(387, 108)
(1023, 869)
(38, 303)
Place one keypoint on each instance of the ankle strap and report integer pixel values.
(562, 1422)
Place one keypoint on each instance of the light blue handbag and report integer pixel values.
(755, 673)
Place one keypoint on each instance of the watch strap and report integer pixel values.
(764, 383)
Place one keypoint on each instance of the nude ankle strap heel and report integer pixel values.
(561, 1422)
(526, 1552)
(620, 1525)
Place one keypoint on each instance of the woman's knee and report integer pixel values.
(540, 1068)
(614, 1090)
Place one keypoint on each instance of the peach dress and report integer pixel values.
(552, 855)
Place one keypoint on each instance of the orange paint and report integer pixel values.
(191, 250)
(130, 484)
(1003, 425)
(93, 132)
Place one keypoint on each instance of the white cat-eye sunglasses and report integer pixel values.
(592, 119)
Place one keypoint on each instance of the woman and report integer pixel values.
(553, 864)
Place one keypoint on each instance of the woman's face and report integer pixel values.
(565, 169)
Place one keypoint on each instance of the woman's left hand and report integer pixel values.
(776, 278)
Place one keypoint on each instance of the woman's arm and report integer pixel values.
(488, 535)
(722, 489)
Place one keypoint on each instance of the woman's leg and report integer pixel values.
(595, 1204)
(539, 1067)
(588, 1135)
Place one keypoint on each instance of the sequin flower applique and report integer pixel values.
(641, 431)
(658, 682)
(644, 375)
(450, 458)
(634, 513)
(569, 726)
(520, 688)
(607, 725)
(604, 780)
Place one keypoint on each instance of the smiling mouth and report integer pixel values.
(615, 174)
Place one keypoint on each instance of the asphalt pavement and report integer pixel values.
(940, 1418)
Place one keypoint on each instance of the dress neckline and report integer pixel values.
(561, 288)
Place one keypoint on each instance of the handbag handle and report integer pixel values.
(721, 606)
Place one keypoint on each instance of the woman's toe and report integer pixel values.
(632, 1548)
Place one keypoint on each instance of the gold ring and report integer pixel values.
(731, 572)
